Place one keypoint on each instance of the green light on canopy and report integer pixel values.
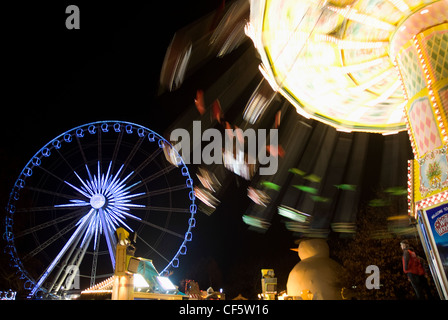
(293, 214)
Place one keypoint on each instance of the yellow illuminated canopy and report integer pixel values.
(331, 60)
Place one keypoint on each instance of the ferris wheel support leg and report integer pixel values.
(63, 265)
(94, 264)
(110, 237)
(75, 261)
(50, 268)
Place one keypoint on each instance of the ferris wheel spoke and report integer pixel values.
(169, 209)
(126, 191)
(159, 173)
(153, 249)
(133, 152)
(51, 174)
(100, 147)
(117, 212)
(56, 236)
(87, 186)
(50, 223)
(106, 178)
(117, 218)
(117, 147)
(77, 189)
(164, 190)
(163, 209)
(124, 197)
(65, 160)
(155, 226)
(148, 160)
(49, 241)
(81, 151)
(51, 192)
(74, 203)
(117, 186)
(40, 209)
(159, 192)
(113, 182)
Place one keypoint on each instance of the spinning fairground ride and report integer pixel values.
(371, 66)
(73, 194)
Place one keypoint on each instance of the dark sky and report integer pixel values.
(109, 69)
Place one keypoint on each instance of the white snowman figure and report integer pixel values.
(316, 275)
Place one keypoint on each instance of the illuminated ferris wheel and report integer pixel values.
(81, 186)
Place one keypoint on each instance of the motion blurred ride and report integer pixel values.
(370, 66)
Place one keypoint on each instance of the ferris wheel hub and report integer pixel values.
(97, 201)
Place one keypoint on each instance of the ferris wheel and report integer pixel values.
(81, 186)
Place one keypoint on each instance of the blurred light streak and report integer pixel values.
(206, 197)
(258, 196)
(293, 214)
(256, 222)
